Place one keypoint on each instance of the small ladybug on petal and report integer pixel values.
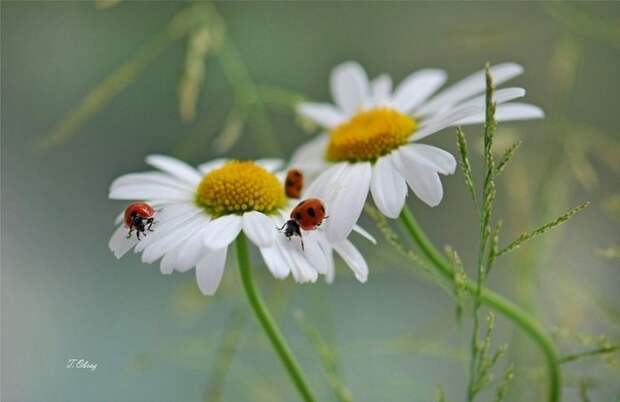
(307, 215)
(294, 183)
(139, 216)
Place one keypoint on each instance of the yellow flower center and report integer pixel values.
(239, 187)
(369, 135)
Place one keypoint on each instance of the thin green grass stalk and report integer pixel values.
(460, 277)
(543, 229)
(267, 322)
(205, 39)
(611, 252)
(583, 391)
(281, 97)
(392, 238)
(465, 164)
(328, 359)
(502, 388)
(506, 157)
(488, 197)
(103, 93)
(224, 355)
(247, 94)
(440, 395)
(511, 311)
(493, 247)
(595, 352)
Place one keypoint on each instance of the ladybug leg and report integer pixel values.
(138, 234)
(130, 231)
(150, 222)
(302, 242)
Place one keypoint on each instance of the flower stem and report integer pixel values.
(267, 322)
(503, 306)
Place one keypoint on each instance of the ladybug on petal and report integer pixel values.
(139, 216)
(294, 183)
(307, 215)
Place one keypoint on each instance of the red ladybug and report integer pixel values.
(294, 183)
(139, 216)
(307, 215)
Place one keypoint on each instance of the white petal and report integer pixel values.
(441, 160)
(344, 194)
(146, 178)
(349, 86)
(470, 86)
(167, 263)
(209, 271)
(421, 177)
(211, 165)
(168, 220)
(275, 262)
(416, 88)
(313, 252)
(499, 96)
(381, 88)
(507, 112)
(191, 251)
(119, 243)
(302, 270)
(330, 268)
(323, 114)
(448, 119)
(175, 167)
(222, 231)
(259, 228)
(309, 157)
(326, 180)
(270, 164)
(149, 191)
(388, 187)
(361, 231)
(353, 258)
(171, 239)
(119, 218)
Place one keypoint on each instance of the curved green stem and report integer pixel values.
(510, 310)
(267, 322)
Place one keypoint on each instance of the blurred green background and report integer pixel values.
(153, 337)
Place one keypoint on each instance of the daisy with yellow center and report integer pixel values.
(200, 212)
(372, 134)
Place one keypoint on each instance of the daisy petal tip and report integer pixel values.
(361, 278)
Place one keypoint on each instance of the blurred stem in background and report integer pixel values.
(328, 357)
(205, 30)
(264, 318)
(225, 354)
(510, 310)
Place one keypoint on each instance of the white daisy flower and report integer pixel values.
(373, 131)
(200, 212)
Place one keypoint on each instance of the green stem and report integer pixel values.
(267, 322)
(510, 310)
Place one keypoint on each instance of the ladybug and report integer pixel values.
(307, 215)
(139, 216)
(294, 183)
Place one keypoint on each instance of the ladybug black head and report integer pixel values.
(291, 228)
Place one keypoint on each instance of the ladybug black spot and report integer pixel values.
(289, 183)
(296, 174)
(298, 216)
(311, 212)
